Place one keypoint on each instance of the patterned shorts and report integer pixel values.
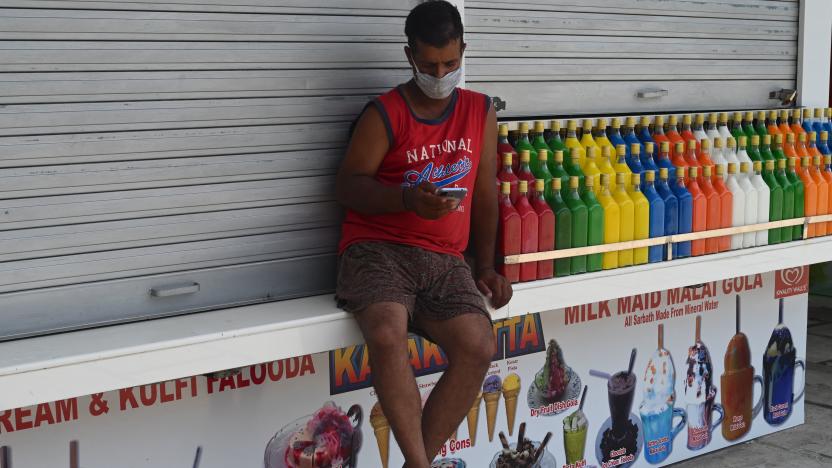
(430, 285)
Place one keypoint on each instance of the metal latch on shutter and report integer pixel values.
(499, 104)
(651, 93)
(784, 95)
(174, 290)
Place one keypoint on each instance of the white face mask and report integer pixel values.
(438, 88)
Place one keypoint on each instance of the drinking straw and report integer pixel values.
(539, 452)
(632, 361)
(599, 374)
(5, 457)
(738, 314)
(583, 395)
(197, 457)
(73, 454)
(520, 433)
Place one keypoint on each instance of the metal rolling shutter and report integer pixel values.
(547, 57)
(157, 145)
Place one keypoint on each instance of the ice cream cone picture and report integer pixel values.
(473, 418)
(381, 428)
(511, 389)
(491, 390)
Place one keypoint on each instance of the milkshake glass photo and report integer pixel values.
(700, 393)
(738, 386)
(778, 374)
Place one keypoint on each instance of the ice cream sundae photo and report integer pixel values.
(556, 387)
(525, 453)
(700, 393)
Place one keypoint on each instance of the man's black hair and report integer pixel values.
(434, 22)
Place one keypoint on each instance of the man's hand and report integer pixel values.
(494, 286)
(424, 201)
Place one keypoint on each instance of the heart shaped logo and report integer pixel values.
(792, 276)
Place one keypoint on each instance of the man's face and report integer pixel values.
(436, 61)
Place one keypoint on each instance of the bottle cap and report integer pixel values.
(573, 182)
(680, 147)
(636, 178)
(818, 112)
(705, 144)
(681, 171)
(556, 184)
(769, 165)
(523, 186)
(804, 161)
(772, 115)
(737, 116)
(790, 137)
(745, 167)
(761, 116)
(590, 152)
(766, 139)
(575, 154)
(525, 156)
(571, 125)
(796, 114)
(802, 137)
(686, 119)
(538, 126)
(712, 118)
(778, 139)
(827, 159)
(816, 160)
(743, 140)
(588, 182)
(658, 121)
(813, 136)
(558, 156)
(650, 176)
(749, 116)
(663, 173)
(648, 147)
(691, 144)
(706, 172)
(717, 142)
(758, 166)
(629, 122)
(784, 114)
(524, 127)
(732, 168)
(645, 121)
(665, 146)
(505, 188)
(602, 124)
(554, 125)
(616, 122)
(587, 124)
(824, 135)
(503, 130)
(621, 150)
(605, 151)
(672, 120)
(605, 180)
(620, 178)
(699, 119)
(635, 149)
(539, 185)
(694, 172)
(731, 142)
(542, 154)
(723, 118)
(755, 140)
(781, 163)
(720, 169)
(507, 158)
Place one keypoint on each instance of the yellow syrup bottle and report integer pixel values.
(572, 141)
(600, 135)
(612, 222)
(627, 225)
(586, 138)
(621, 166)
(641, 223)
(591, 170)
(604, 163)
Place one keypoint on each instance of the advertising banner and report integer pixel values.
(640, 381)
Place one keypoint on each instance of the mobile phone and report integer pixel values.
(457, 193)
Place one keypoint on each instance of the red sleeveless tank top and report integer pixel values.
(444, 151)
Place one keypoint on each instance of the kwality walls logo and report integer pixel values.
(791, 282)
(349, 368)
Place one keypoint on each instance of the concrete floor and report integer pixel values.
(806, 446)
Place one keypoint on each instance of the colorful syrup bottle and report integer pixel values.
(823, 194)
(643, 132)
(687, 129)
(573, 142)
(736, 126)
(658, 131)
(539, 143)
(812, 147)
(558, 171)
(678, 157)
(771, 124)
(810, 195)
(563, 227)
(742, 152)
(586, 138)
(641, 227)
(627, 225)
(713, 215)
(704, 155)
(656, 216)
(612, 222)
(554, 140)
(724, 131)
(726, 206)
(671, 209)
(595, 224)
(783, 123)
(713, 129)
(634, 160)
(751, 203)
(817, 124)
(541, 169)
(503, 147)
(738, 208)
(508, 236)
(827, 121)
(777, 149)
(748, 125)
(827, 175)
(629, 134)
(621, 166)
(754, 149)
(506, 175)
(700, 210)
(807, 121)
(591, 170)
(765, 150)
(787, 233)
(673, 130)
(663, 160)
(730, 151)
(800, 146)
(692, 154)
(525, 171)
(573, 168)
(648, 162)
(528, 231)
(683, 249)
(546, 228)
(763, 202)
(717, 155)
(580, 224)
(799, 195)
(604, 162)
(775, 211)
(601, 137)
(699, 132)
(823, 146)
(760, 125)
(524, 143)
(796, 124)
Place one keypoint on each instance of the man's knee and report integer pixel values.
(475, 347)
(382, 330)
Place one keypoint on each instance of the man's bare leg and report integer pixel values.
(384, 326)
(468, 342)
